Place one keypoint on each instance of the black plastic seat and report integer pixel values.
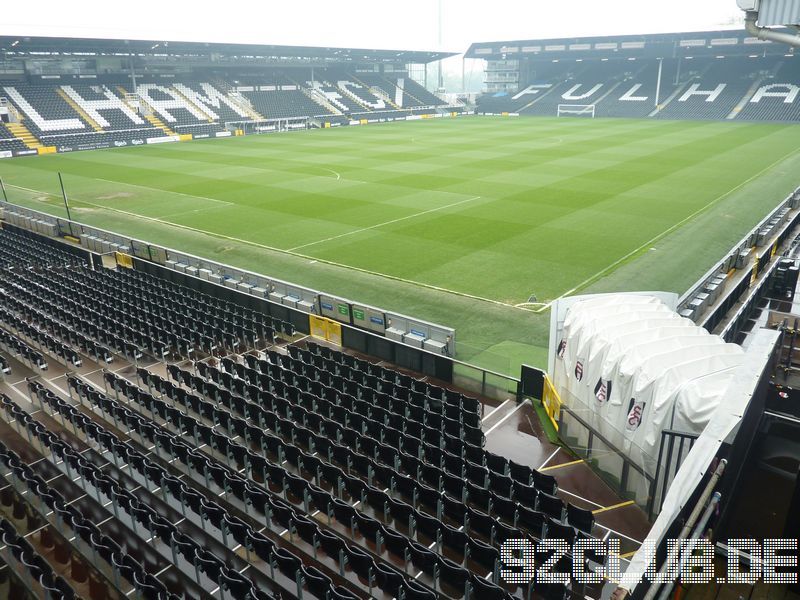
(236, 584)
(532, 521)
(389, 580)
(427, 524)
(543, 482)
(496, 463)
(331, 544)
(340, 593)
(453, 575)
(401, 512)
(415, 591)
(485, 555)
(422, 558)
(479, 497)
(580, 518)
(486, 590)
(368, 526)
(287, 562)
(526, 495)
(344, 512)
(480, 522)
(553, 506)
(561, 531)
(361, 563)
(454, 537)
(504, 507)
(305, 528)
(316, 581)
(454, 508)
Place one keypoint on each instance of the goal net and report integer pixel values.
(576, 110)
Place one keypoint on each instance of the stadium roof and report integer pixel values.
(661, 45)
(60, 46)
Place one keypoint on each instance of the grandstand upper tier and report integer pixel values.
(701, 75)
(64, 94)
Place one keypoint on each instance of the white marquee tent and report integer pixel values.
(630, 367)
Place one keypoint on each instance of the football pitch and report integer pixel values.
(477, 223)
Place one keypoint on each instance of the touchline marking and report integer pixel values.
(415, 215)
(649, 243)
(291, 253)
(152, 189)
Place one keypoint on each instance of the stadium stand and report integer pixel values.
(401, 91)
(743, 88)
(174, 109)
(414, 89)
(284, 104)
(589, 84)
(393, 91)
(635, 97)
(334, 96)
(336, 476)
(350, 87)
(712, 91)
(776, 98)
(46, 113)
(77, 117)
(103, 107)
(82, 116)
(219, 105)
(10, 142)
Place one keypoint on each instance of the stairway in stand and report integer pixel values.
(149, 115)
(19, 130)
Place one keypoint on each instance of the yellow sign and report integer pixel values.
(325, 329)
(551, 401)
(124, 260)
(185, 137)
(754, 274)
(363, 121)
(46, 150)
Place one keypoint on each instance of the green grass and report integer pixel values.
(452, 221)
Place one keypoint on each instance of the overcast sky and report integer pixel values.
(392, 24)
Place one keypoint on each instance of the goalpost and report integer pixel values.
(576, 110)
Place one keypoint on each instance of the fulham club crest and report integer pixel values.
(579, 370)
(602, 391)
(634, 418)
(562, 348)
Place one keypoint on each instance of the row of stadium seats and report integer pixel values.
(23, 250)
(284, 104)
(759, 89)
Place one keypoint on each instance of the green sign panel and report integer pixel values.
(358, 314)
(344, 309)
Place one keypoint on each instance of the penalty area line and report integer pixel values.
(355, 231)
